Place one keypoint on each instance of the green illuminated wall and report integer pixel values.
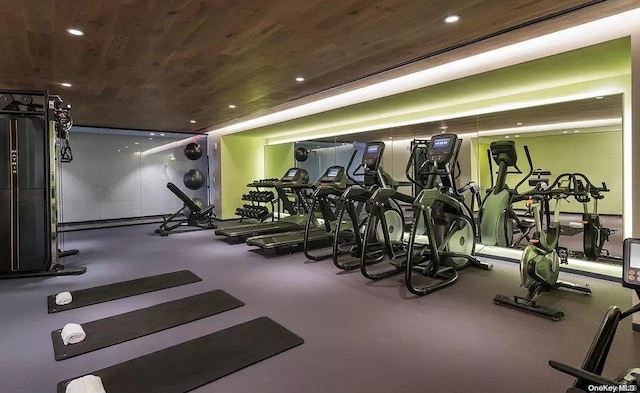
(277, 159)
(241, 162)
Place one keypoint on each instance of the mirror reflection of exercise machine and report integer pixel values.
(34, 131)
(590, 374)
(595, 235)
(496, 216)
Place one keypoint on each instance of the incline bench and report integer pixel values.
(193, 217)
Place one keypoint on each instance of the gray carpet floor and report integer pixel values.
(360, 336)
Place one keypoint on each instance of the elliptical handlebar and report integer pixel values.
(412, 160)
(526, 153)
(353, 157)
(575, 188)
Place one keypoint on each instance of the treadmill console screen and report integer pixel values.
(291, 173)
(295, 175)
(333, 172)
(441, 148)
(631, 264)
(373, 149)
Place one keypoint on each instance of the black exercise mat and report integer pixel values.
(113, 330)
(195, 363)
(119, 290)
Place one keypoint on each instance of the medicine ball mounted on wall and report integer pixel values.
(193, 151)
(301, 154)
(194, 179)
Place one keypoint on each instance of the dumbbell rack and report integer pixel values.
(257, 198)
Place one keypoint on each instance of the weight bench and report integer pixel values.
(190, 215)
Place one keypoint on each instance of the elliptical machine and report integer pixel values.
(590, 374)
(353, 214)
(496, 216)
(326, 199)
(441, 214)
(541, 259)
(595, 235)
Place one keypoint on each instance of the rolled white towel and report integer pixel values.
(63, 298)
(72, 333)
(86, 384)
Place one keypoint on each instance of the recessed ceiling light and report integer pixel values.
(565, 132)
(126, 147)
(442, 132)
(118, 150)
(150, 139)
(576, 131)
(136, 143)
(299, 79)
(65, 84)
(161, 134)
(444, 127)
(518, 124)
(232, 106)
(507, 137)
(152, 133)
(75, 32)
(452, 18)
(599, 97)
(192, 121)
(517, 136)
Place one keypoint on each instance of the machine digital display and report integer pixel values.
(631, 263)
(372, 149)
(333, 172)
(291, 173)
(439, 143)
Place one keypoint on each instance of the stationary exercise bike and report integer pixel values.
(541, 259)
(589, 376)
(443, 233)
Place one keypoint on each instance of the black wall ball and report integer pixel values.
(193, 151)
(301, 154)
(199, 202)
(194, 179)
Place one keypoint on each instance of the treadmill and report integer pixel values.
(296, 180)
(334, 181)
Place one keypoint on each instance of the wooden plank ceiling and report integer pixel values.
(156, 64)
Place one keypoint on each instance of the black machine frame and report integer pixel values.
(590, 373)
(55, 121)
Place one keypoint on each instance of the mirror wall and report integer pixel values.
(583, 136)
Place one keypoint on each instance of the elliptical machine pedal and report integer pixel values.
(529, 305)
